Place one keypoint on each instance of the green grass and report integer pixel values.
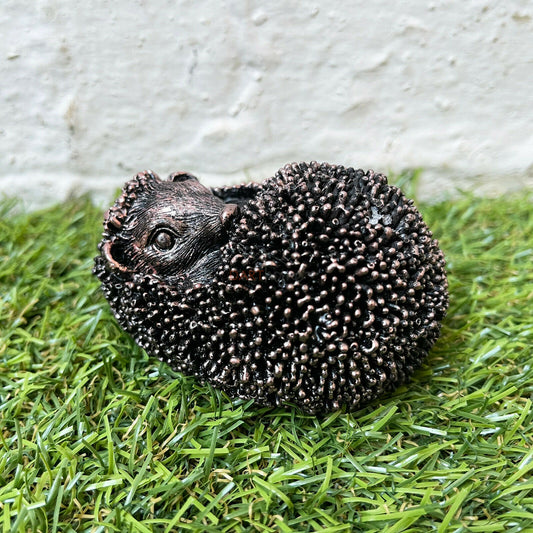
(96, 436)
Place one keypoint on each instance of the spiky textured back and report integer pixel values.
(330, 292)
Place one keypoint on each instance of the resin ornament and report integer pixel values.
(320, 287)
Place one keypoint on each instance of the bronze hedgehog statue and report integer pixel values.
(321, 287)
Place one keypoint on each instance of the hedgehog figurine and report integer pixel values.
(320, 287)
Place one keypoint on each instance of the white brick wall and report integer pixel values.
(92, 92)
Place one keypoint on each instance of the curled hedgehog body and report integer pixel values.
(321, 287)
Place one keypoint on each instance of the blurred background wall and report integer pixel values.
(93, 92)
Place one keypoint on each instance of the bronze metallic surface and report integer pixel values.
(321, 286)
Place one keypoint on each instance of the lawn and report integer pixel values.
(96, 436)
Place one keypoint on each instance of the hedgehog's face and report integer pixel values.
(173, 229)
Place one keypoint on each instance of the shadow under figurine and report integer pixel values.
(320, 287)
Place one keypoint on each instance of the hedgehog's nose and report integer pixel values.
(229, 212)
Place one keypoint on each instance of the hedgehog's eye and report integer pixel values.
(163, 239)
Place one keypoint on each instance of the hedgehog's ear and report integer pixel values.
(181, 176)
(113, 253)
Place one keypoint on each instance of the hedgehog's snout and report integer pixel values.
(229, 212)
(214, 232)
